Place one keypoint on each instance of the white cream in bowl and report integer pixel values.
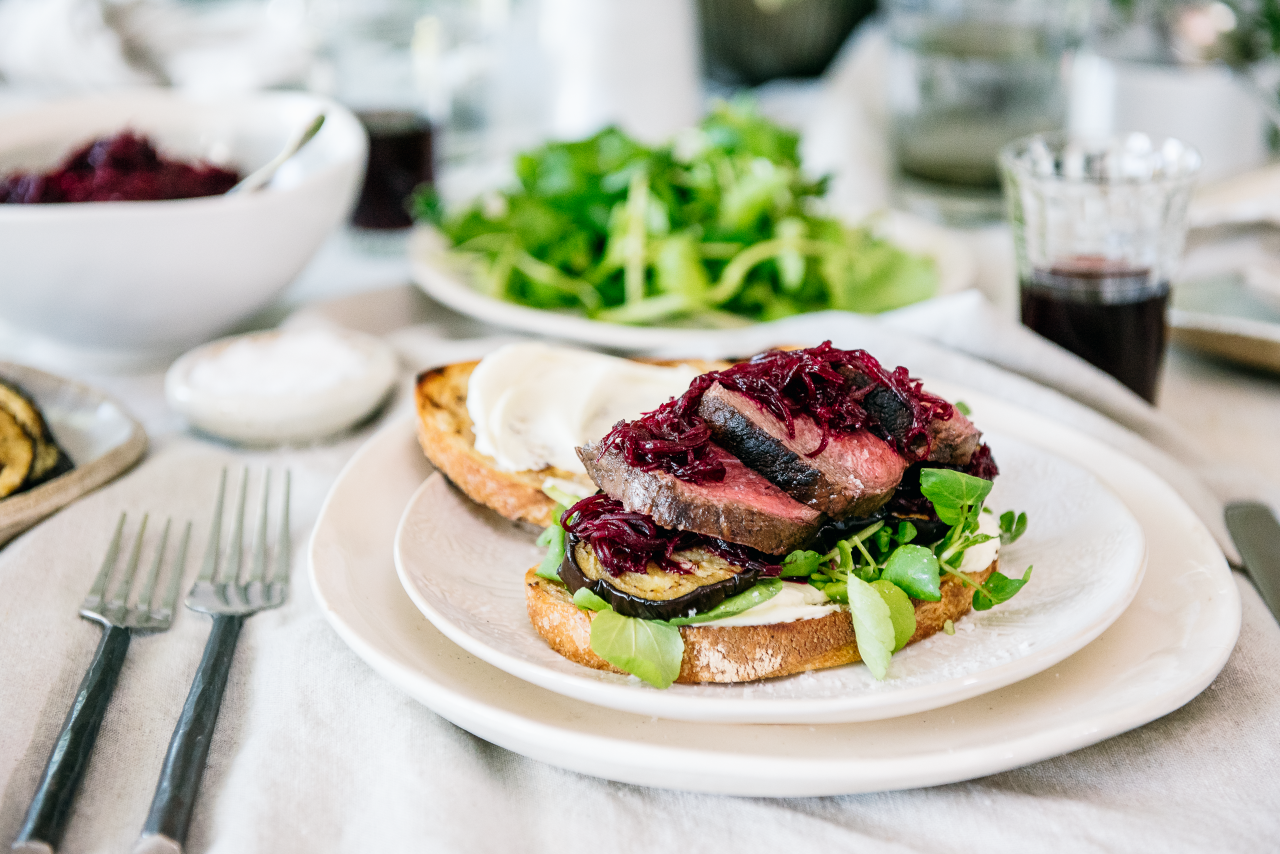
(289, 385)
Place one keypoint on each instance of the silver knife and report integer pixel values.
(1256, 534)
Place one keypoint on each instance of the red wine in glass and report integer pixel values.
(1109, 313)
(400, 159)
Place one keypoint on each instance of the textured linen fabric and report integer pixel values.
(316, 753)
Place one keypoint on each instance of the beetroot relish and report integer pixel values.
(627, 542)
(784, 383)
(122, 168)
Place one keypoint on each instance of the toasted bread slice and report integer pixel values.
(738, 653)
(447, 438)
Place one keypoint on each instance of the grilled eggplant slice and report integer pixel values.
(657, 594)
(17, 452)
(50, 460)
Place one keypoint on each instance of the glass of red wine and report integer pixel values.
(1098, 228)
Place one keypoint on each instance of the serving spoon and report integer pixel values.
(258, 178)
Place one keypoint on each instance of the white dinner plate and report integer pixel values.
(100, 437)
(464, 567)
(443, 280)
(1162, 651)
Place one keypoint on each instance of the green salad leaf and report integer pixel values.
(763, 591)
(872, 626)
(998, 588)
(914, 569)
(644, 648)
(902, 613)
(586, 599)
(720, 225)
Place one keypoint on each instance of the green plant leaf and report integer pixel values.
(915, 569)
(954, 494)
(763, 591)
(552, 537)
(872, 626)
(837, 591)
(801, 563)
(644, 648)
(901, 611)
(1001, 589)
(587, 600)
(962, 408)
(1012, 527)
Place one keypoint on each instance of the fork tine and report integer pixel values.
(230, 572)
(284, 550)
(99, 588)
(175, 575)
(259, 569)
(125, 582)
(210, 565)
(149, 584)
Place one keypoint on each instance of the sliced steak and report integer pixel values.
(951, 441)
(853, 475)
(742, 508)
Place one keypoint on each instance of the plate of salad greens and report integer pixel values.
(611, 241)
(463, 567)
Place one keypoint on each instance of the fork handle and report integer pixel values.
(47, 816)
(175, 797)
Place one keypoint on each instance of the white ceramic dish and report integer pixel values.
(1162, 651)
(278, 408)
(101, 438)
(1087, 549)
(153, 278)
(440, 277)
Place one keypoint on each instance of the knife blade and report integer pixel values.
(1256, 533)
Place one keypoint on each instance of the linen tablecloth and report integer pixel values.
(315, 753)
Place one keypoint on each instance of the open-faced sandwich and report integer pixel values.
(801, 510)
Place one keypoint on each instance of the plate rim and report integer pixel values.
(638, 699)
(644, 758)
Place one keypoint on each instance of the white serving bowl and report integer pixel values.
(149, 279)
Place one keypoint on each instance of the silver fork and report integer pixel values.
(51, 806)
(223, 593)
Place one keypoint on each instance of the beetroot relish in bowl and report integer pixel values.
(122, 168)
(823, 383)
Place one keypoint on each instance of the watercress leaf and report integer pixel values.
(1012, 527)
(884, 539)
(954, 494)
(872, 626)
(763, 591)
(963, 408)
(915, 570)
(553, 538)
(846, 556)
(589, 601)
(643, 648)
(901, 612)
(906, 532)
(1001, 588)
(802, 562)
(837, 591)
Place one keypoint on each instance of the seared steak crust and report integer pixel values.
(952, 442)
(742, 508)
(853, 475)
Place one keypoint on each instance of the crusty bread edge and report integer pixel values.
(445, 434)
(739, 653)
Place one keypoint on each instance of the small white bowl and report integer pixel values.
(292, 385)
(150, 279)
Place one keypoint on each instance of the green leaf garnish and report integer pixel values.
(998, 588)
(644, 648)
(962, 408)
(763, 591)
(587, 600)
(552, 538)
(915, 569)
(901, 611)
(1012, 527)
(800, 563)
(872, 626)
(956, 496)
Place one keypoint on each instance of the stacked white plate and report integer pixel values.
(1130, 613)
